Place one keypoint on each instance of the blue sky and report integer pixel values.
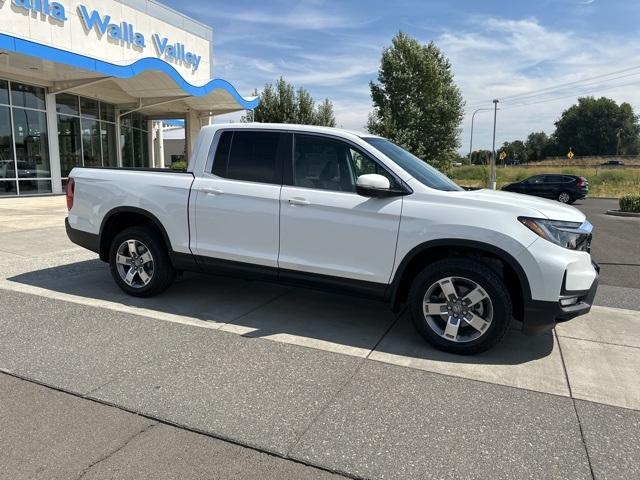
(498, 48)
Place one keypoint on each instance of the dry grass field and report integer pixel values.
(603, 181)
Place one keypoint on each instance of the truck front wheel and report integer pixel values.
(459, 305)
(139, 262)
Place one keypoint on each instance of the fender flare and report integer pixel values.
(139, 211)
(455, 242)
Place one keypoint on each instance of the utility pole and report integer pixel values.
(471, 139)
(492, 177)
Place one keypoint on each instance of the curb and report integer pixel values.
(618, 213)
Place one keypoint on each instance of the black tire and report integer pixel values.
(485, 278)
(163, 273)
(565, 197)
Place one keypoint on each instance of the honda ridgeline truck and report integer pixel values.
(350, 212)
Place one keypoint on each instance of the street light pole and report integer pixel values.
(492, 178)
(471, 139)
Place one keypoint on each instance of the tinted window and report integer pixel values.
(322, 163)
(418, 169)
(222, 154)
(553, 179)
(534, 180)
(253, 157)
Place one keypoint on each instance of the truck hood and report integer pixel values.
(547, 208)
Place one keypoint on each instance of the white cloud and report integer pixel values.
(300, 17)
(498, 58)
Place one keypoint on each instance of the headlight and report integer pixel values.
(571, 235)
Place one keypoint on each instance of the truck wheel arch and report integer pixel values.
(427, 252)
(122, 217)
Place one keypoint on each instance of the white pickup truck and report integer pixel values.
(353, 212)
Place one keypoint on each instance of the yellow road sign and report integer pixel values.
(503, 155)
(570, 154)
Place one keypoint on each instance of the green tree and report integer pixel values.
(416, 101)
(516, 152)
(536, 146)
(481, 157)
(282, 103)
(324, 114)
(598, 127)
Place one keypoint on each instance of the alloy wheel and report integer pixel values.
(457, 309)
(134, 263)
(564, 197)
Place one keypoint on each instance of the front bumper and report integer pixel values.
(541, 316)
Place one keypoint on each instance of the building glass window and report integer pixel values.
(24, 147)
(107, 112)
(91, 143)
(69, 143)
(108, 137)
(7, 165)
(89, 107)
(27, 96)
(134, 136)
(32, 147)
(67, 104)
(86, 133)
(4, 92)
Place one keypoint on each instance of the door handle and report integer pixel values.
(299, 201)
(212, 191)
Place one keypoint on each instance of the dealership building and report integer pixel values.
(87, 82)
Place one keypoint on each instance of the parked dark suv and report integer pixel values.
(561, 187)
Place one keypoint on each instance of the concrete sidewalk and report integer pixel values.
(52, 435)
(343, 413)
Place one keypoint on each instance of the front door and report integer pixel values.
(326, 228)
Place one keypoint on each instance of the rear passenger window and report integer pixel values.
(249, 155)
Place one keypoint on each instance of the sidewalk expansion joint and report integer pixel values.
(575, 407)
(598, 341)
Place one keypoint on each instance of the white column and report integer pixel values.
(161, 162)
(152, 162)
(191, 130)
(54, 146)
(118, 138)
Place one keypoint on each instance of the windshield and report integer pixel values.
(421, 171)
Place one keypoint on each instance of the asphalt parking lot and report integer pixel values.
(236, 379)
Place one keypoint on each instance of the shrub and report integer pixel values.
(181, 165)
(630, 203)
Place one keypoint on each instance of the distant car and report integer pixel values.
(613, 163)
(564, 188)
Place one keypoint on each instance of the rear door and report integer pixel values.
(554, 184)
(326, 228)
(237, 199)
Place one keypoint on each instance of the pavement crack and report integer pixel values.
(573, 402)
(113, 452)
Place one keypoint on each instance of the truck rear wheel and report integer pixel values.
(139, 262)
(460, 305)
